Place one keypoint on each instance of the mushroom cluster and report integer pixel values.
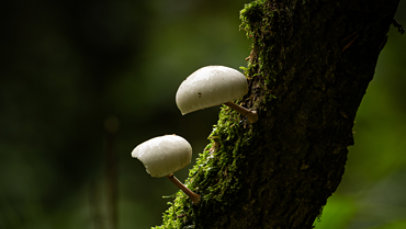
(206, 87)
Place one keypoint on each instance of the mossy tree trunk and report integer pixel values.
(310, 64)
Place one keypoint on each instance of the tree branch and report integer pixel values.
(309, 67)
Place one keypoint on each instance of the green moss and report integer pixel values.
(251, 15)
(215, 175)
(258, 20)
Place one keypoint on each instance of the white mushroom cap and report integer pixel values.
(210, 86)
(163, 155)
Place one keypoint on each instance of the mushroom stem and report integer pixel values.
(251, 115)
(193, 196)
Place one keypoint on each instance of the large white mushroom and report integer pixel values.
(164, 155)
(211, 86)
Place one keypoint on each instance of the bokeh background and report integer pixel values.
(82, 83)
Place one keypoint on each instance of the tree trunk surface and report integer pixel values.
(309, 67)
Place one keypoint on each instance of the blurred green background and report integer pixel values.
(82, 83)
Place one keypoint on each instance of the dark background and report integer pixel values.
(84, 80)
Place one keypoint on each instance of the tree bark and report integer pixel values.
(310, 64)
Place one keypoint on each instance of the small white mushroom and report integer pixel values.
(164, 155)
(211, 86)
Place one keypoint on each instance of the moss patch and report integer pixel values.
(215, 176)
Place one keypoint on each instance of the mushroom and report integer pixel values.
(164, 155)
(211, 86)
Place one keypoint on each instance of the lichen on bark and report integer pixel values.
(308, 69)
